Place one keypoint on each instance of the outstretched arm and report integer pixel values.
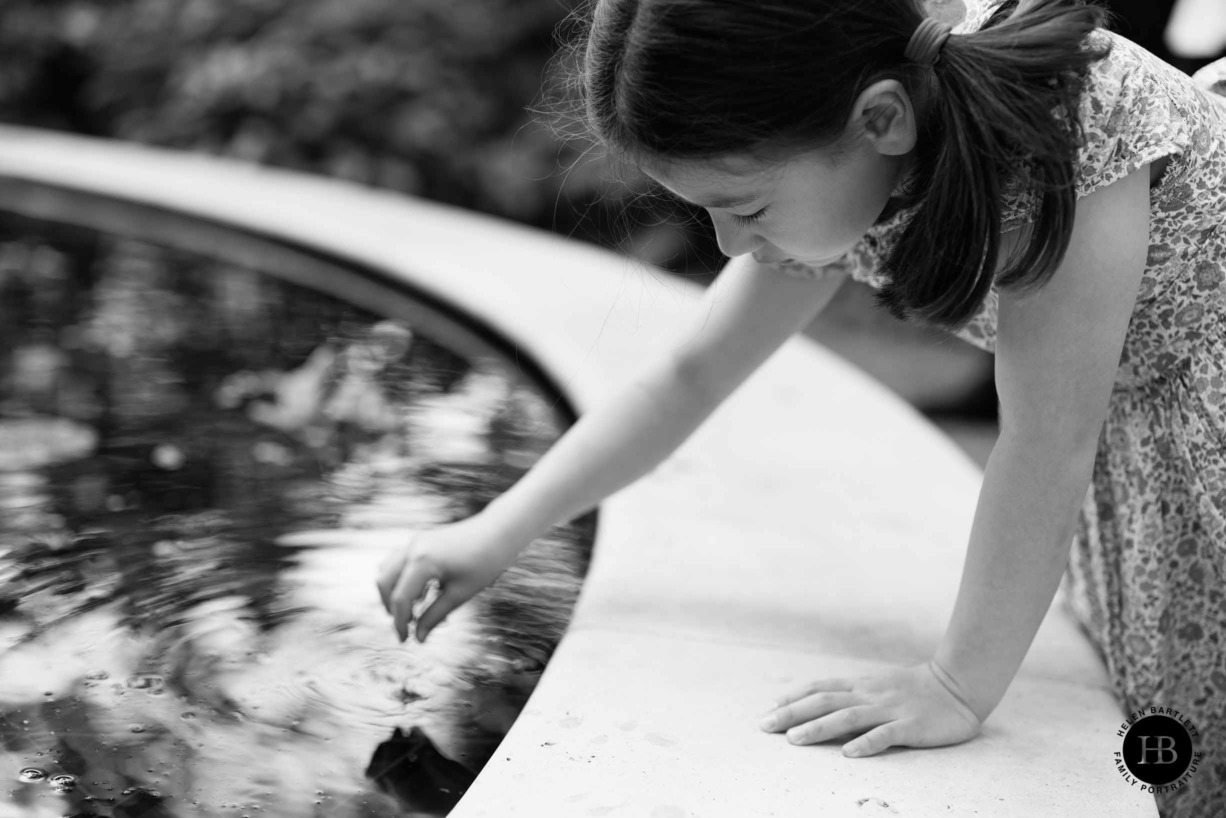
(747, 314)
(1058, 350)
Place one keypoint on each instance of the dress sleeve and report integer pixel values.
(1134, 110)
(1132, 114)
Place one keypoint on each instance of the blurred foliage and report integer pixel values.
(428, 97)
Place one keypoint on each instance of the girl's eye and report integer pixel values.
(751, 218)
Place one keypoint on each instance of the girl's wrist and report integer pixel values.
(509, 526)
(978, 692)
(952, 687)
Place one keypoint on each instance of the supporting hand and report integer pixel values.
(908, 707)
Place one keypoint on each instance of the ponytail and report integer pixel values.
(1000, 102)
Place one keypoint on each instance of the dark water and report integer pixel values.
(201, 466)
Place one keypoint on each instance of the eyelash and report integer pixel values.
(751, 218)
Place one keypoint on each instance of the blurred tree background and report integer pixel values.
(433, 98)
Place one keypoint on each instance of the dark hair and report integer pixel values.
(667, 80)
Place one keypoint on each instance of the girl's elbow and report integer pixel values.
(691, 372)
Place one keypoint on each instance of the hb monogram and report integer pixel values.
(1165, 750)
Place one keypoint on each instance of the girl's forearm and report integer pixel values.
(748, 313)
(606, 450)
(1019, 546)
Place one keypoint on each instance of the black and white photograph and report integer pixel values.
(612, 408)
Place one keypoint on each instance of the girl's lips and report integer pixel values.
(767, 258)
(772, 258)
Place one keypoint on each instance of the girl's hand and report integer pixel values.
(908, 707)
(462, 558)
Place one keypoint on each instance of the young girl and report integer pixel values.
(1043, 188)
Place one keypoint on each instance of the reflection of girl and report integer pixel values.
(843, 137)
(341, 387)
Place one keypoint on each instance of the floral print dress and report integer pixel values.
(1146, 577)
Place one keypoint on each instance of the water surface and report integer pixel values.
(201, 466)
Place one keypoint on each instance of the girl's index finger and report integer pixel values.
(409, 589)
(389, 574)
(434, 606)
(426, 607)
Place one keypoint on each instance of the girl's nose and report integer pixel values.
(735, 239)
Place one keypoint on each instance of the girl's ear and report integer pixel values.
(884, 115)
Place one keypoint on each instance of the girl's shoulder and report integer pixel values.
(1135, 109)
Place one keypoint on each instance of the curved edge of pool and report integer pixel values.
(814, 527)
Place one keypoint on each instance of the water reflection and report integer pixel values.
(200, 468)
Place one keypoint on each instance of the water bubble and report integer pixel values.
(188, 715)
(146, 681)
(31, 774)
(63, 783)
(136, 728)
(168, 456)
(165, 548)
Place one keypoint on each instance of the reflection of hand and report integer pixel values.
(907, 707)
(462, 559)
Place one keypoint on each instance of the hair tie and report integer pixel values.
(925, 45)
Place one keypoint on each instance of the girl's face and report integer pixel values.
(811, 208)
